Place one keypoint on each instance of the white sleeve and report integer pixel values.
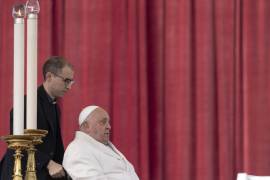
(82, 165)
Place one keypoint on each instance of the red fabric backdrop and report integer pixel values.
(186, 82)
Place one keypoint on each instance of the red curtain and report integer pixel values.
(186, 82)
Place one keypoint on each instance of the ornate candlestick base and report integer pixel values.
(18, 143)
(37, 135)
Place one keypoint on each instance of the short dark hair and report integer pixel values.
(55, 64)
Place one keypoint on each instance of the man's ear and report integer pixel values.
(48, 76)
(85, 125)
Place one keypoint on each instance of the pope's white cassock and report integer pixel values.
(87, 159)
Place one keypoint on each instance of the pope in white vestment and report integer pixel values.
(91, 156)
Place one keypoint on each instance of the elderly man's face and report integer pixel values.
(99, 126)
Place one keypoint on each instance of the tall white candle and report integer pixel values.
(18, 74)
(31, 71)
(32, 9)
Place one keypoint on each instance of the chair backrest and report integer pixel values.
(245, 176)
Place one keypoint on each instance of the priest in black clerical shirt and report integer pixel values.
(58, 79)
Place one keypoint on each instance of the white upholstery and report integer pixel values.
(245, 176)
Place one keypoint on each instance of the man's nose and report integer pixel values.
(109, 126)
(69, 86)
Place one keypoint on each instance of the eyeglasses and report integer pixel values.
(67, 81)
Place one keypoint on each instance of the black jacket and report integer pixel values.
(48, 116)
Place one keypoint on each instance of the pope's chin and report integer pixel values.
(106, 138)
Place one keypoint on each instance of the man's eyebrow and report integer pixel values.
(104, 120)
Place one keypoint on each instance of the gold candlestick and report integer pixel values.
(37, 135)
(18, 143)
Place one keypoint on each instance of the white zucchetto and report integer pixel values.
(85, 113)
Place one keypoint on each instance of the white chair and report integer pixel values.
(245, 176)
